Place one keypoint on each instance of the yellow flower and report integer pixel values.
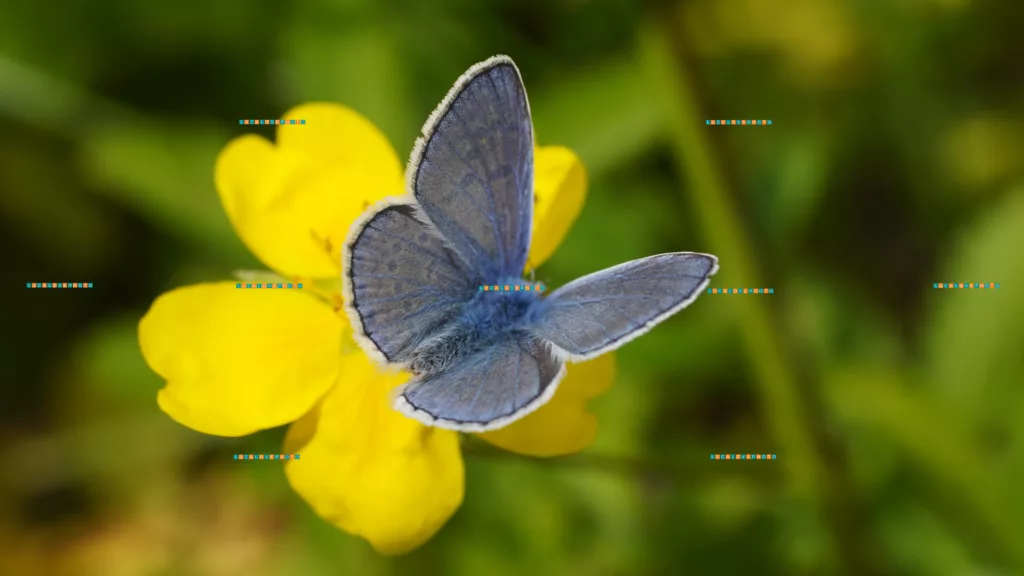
(238, 361)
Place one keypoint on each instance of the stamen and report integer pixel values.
(323, 242)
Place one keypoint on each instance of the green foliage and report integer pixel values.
(893, 162)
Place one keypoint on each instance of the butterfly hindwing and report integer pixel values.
(498, 384)
(472, 171)
(401, 281)
(604, 310)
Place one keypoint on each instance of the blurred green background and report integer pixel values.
(894, 161)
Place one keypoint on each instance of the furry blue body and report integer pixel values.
(485, 319)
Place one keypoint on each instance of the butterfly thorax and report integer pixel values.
(482, 321)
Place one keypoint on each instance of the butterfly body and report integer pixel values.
(500, 310)
(484, 319)
(413, 267)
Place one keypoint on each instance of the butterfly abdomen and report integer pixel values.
(437, 354)
(485, 319)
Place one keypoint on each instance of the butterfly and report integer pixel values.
(413, 268)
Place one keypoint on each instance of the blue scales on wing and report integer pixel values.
(498, 383)
(604, 310)
(472, 172)
(404, 282)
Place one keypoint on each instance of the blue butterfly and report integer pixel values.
(412, 267)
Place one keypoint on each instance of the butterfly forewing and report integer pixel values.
(472, 172)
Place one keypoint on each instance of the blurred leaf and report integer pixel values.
(796, 166)
(113, 372)
(974, 342)
(165, 172)
(730, 502)
(623, 414)
(362, 69)
(836, 324)
(983, 150)
(910, 529)
(935, 439)
(815, 37)
(47, 209)
(548, 521)
(687, 349)
(49, 102)
(603, 113)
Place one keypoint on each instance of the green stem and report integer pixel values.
(776, 380)
(725, 235)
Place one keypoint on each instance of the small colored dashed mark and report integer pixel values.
(738, 122)
(515, 288)
(271, 122)
(959, 285)
(741, 291)
(266, 285)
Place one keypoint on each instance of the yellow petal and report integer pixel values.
(560, 188)
(237, 361)
(563, 425)
(371, 471)
(292, 203)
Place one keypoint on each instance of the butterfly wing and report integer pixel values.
(489, 389)
(472, 171)
(401, 282)
(602, 311)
